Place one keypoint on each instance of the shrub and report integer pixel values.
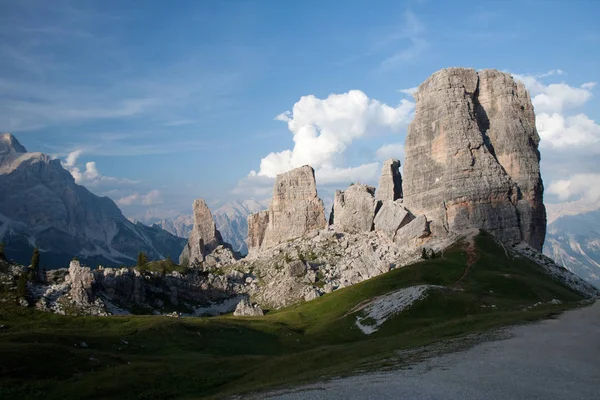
(2, 253)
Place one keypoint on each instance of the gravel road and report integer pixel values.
(553, 359)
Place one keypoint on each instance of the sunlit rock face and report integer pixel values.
(472, 156)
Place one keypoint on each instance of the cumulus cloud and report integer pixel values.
(559, 131)
(88, 174)
(366, 173)
(392, 150)
(324, 128)
(556, 128)
(151, 198)
(579, 186)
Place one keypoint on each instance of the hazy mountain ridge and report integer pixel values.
(44, 207)
(231, 219)
(574, 242)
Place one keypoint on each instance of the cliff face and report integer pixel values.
(295, 210)
(472, 156)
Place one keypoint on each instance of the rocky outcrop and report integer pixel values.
(246, 309)
(390, 182)
(204, 237)
(413, 234)
(82, 280)
(391, 217)
(354, 208)
(295, 210)
(472, 158)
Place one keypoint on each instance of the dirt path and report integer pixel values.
(471, 259)
(552, 359)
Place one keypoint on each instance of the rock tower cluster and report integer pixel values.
(472, 161)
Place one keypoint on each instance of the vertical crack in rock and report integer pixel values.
(472, 156)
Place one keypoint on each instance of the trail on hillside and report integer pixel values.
(472, 258)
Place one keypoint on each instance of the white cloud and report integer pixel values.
(151, 198)
(559, 131)
(72, 158)
(410, 91)
(579, 186)
(89, 176)
(366, 173)
(556, 129)
(558, 97)
(324, 128)
(392, 150)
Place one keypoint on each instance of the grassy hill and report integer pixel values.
(50, 356)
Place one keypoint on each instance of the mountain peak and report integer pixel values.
(10, 144)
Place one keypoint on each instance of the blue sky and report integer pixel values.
(159, 103)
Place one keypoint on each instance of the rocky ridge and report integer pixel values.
(46, 208)
(461, 175)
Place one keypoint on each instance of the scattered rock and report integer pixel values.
(246, 309)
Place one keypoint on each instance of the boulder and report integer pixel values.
(296, 268)
(246, 309)
(472, 157)
(390, 182)
(295, 210)
(414, 233)
(204, 237)
(354, 208)
(391, 216)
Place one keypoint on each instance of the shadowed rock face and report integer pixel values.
(472, 156)
(390, 182)
(204, 237)
(294, 211)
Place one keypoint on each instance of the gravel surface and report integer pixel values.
(553, 359)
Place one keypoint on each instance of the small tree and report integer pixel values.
(424, 254)
(142, 261)
(34, 268)
(2, 253)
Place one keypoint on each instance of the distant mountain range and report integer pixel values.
(231, 220)
(41, 205)
(574, 242)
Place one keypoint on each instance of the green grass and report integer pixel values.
(41, 354)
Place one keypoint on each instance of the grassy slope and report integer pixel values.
(204, 357)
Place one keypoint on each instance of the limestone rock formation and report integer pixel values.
(82, 279)
(390, 182)
(354, 208)
(294, 211)
(391, 217)
(414, 233)
(246, 309)
(204, 237)
(472, 156)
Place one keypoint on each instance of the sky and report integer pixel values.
(157, 103)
